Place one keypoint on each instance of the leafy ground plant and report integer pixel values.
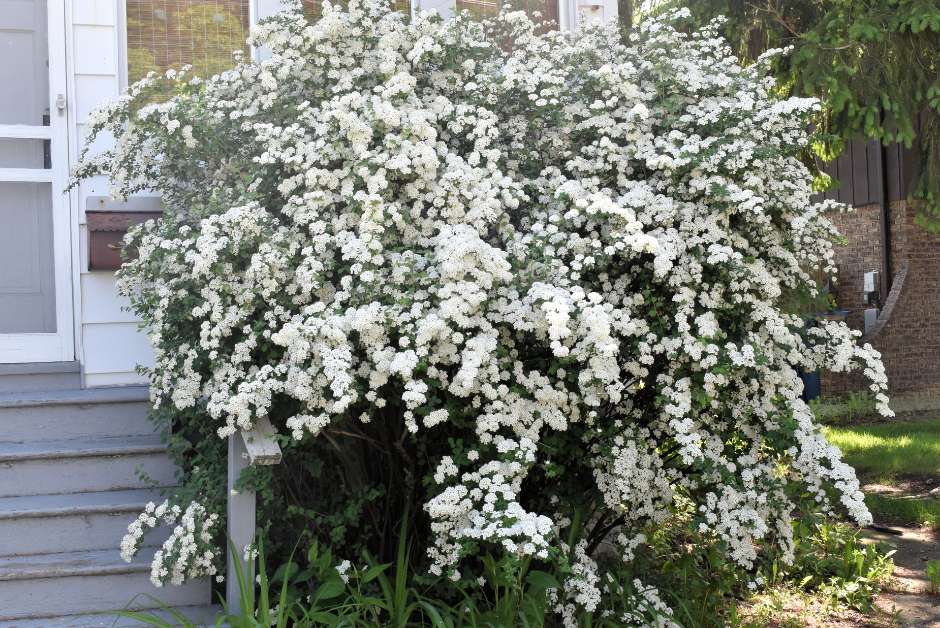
(845, 409)
(835, 570)
(933, 575)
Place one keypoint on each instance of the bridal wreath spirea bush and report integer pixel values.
(567, 251)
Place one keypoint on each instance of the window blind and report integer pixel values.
(486, 8)
(165, 34)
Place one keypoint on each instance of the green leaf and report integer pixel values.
(330, 589)
(323, 617)
(434, 615)
(373, 572)
(541, 580)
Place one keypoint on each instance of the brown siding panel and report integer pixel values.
(874, 172)
(860, 172)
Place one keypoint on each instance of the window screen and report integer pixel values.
(313, 8)
(485, 8)
(164, 34)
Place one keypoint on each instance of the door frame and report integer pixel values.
(58, 346)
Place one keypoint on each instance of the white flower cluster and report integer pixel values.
(484, 506)
(649, 610)
(569, 251)
(190, 550)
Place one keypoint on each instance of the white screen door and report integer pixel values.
(35, 260)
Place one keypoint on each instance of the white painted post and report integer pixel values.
(255, 447)
(241, 522)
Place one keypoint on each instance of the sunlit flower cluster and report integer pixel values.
(581, 240)
(190, 550)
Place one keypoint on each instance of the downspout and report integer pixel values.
(885, 225)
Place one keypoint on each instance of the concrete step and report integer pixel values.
(83, 465)
(38, 524)
(40, 376)
(198, 615)
(74, 413)
(72, 583)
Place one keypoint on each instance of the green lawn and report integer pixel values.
(895, 453)
(885, 451)
(906, 511)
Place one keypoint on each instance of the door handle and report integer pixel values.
(60, 102)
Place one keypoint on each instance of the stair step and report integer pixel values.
(74, 413)
(199, 615)
(82, 465)
(39, 376)
(50, 585)
(36, 524)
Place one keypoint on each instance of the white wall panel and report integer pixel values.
(112, 345)
(101, 143)
(91, 90)
(113, 379)
(115, 348)
(94, 186)
(95, 12)
(95, 49)
(100, 301)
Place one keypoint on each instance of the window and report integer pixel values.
(485, 8)
(312, 8)
(165, 34)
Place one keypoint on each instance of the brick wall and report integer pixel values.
(908, 331)
(860, 254)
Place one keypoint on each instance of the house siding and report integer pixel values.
(906, 334)
(111, 344)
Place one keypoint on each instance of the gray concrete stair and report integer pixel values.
(82, 465)
(199, 615)
(33, 524)
(74, 413)
(47, 585)
(70, 483)
(40, 376)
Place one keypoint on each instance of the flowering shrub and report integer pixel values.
(548, 269)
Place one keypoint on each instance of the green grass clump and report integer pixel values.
(886, 451)
(844, 409)
(904, 510)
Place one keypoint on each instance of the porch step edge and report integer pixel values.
(40, 368)
(73, 504)
(201, 615)
(115, 394)
(65, 564)
(80, 448)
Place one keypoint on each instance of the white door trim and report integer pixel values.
(60, 345)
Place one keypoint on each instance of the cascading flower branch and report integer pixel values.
(568, 250)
